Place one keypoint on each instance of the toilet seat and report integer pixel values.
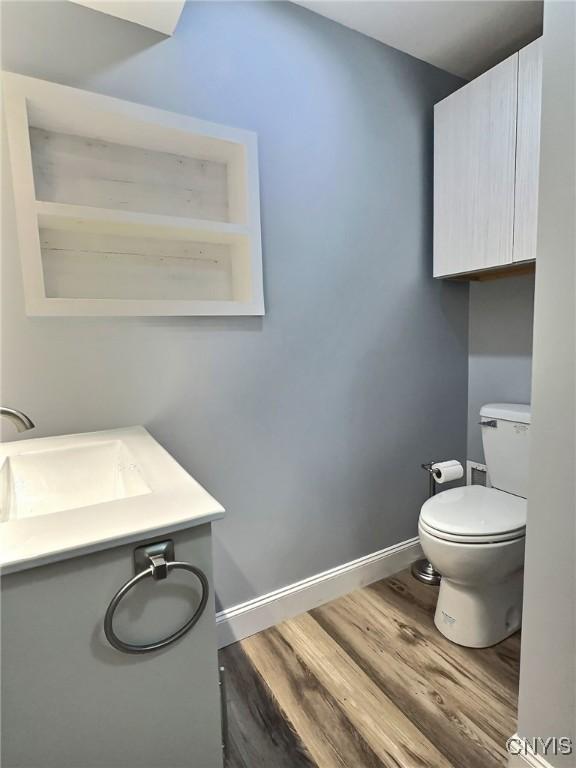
(472, 539)
(474, 514)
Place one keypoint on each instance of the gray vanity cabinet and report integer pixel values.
(70, 700)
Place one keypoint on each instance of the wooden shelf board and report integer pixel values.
(46, 307)
(83, 217)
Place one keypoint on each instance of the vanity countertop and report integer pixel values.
(66, 496)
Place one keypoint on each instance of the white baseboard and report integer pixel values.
(527, 760)
(253, 616)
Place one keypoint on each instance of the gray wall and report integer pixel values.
(310, 424)
(500, 348)
(547, 704)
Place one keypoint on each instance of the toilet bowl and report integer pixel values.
(474, 536)
(480, 597)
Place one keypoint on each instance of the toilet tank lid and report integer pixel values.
(507, 411)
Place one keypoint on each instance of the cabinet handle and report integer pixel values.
(224, 712)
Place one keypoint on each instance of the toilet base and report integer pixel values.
(478, 616)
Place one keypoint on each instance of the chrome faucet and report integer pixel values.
(19, 419)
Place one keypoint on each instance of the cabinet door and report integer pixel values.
(528, 151)
(474, 158)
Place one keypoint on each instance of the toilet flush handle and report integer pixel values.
(491, 423)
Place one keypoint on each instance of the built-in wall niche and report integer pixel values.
(125, 209)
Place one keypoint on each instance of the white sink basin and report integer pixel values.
(52, 480)
(75, 494)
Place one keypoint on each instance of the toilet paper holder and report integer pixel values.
(423, 570)
(432, 480)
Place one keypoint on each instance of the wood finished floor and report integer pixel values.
(368, 681)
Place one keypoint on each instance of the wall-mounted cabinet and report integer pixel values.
(486, 157)
(124, 209)
(527, 151)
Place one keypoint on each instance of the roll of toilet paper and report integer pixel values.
(446, 471)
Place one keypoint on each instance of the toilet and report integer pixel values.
(474, 536)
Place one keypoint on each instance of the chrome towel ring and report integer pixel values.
(158, 569)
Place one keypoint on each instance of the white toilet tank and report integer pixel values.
(506, 441)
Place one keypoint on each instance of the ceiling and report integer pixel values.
(161, 15)
(464, 37)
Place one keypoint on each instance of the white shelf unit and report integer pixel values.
(124, 209)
